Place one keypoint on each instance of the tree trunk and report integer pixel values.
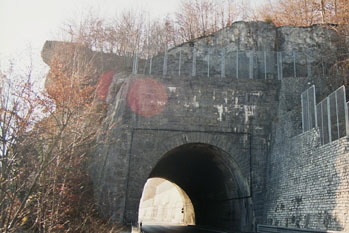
(322, 2)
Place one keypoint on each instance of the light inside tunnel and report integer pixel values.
(214, 183)
(165, 203)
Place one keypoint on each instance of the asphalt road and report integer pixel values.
(175, 229)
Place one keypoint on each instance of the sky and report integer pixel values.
(26, 24)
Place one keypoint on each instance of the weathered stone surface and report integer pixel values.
(296, 51)
(222, 114)
(259, 36)
(74, 60)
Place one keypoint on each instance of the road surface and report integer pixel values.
(175, 229)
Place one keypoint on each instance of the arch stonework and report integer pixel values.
(150, 146)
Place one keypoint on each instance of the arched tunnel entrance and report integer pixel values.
(213, 181)
(165, 203)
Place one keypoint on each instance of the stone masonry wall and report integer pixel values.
(308, 183)
(196, 110)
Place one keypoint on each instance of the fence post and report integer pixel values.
(223, 63)
(193, 70)
(135, 63)
(150, 65)
(335, 96)
(322, 124)
(310, 122)
(279, 64)
(180, 61)
(309, 111)
(346, 117)
(265, 64)
(237, 64)
(251, 64)
(303, 113)
(315, 107)
(294, 63)
(346, 112)
(329, 119)
(208, 62)
(164, 69)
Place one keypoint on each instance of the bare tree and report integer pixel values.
(202, 17)
(305, 12)
(44, 186)
(341, 11)
(18, 109)
(134, 31)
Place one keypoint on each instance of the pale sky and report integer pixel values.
(29, 23)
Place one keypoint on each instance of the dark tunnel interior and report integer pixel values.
(206, 175)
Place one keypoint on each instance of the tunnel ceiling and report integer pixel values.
(194, 168)
(203, 173)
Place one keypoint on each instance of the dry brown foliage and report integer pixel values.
(305, 12)
(44, 185)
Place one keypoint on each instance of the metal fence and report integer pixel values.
(309, 117)
(223, 62)
(330, 115)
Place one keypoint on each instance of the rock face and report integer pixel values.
(220, 116)
(252, 50)
(74, 61)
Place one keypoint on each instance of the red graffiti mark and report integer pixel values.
(147, 97)
(103, 84)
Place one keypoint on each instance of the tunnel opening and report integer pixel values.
(219, 193)
(165, 203)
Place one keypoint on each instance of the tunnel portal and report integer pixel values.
(213, 182)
